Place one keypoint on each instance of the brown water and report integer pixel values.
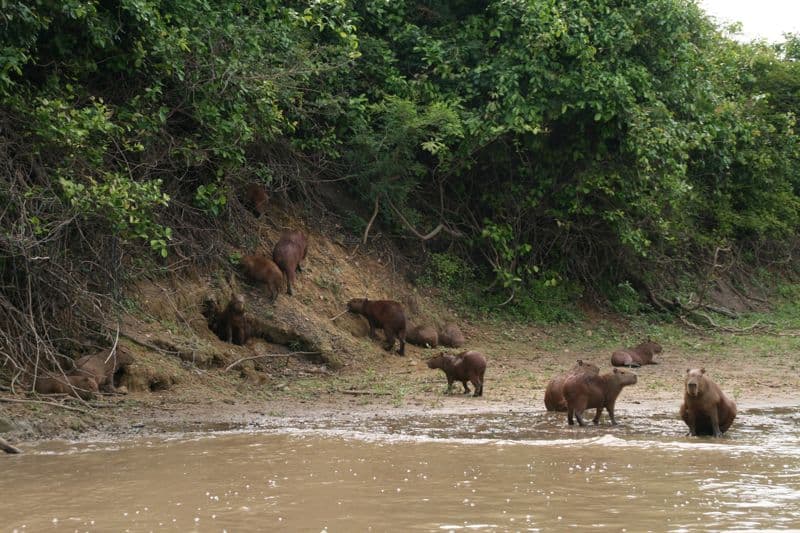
(513, 471)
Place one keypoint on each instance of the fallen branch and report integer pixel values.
(431, 234)
(54, 404)
(364, 393)
(6, 447)
(268, 356)
(337, 316)
(372, 219)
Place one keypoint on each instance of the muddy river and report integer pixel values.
(503, 471)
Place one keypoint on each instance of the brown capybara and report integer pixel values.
(451, 336)
(82, 386)
(424, 336)
(256, 199)
(289, 251)
(263, 270)
(705, 409)
(233, 322)
(6, 447)
(636, 356)
(102, 367)
(586, 391)
(466, 366)
(553, 395)
(385, 314)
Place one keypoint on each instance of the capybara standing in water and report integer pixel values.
(636, 356)
(256, 199)
(289, 251)
(705, 409)
(232, 322)
(466, 366)
(586, 391)
(451, 336)
(102, 366)
(385, 314)
(263, 270)
(424, 336)
(82, 386)
(553, 394)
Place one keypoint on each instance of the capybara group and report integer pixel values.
(289, 251)
(637, 356)
(233, 322)
(256, 199)
(263, 270)
(705, 409)
(589, 391)
(553, 394)
(451, 336)
(82, 386)
(385, 314)
(102, 366)
(424, 336)
(469, 366)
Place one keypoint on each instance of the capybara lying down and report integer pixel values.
(6, 447)
(466, 366)
(232, 321)
(101, 368)
(82, 386)
(263, 270)
(424, 336)
(289, 251)
(636, 356)
(256, 199)
(451, 336)
(705, 409)
(586, 391)
(553, 395)
(385, 314)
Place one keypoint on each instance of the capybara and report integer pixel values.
(263, 270)
(6, 447)
(466, 366)
(256, 199)
(636, 356)
(424, 336)
(553, 395)
(451, 336)
(82, 386)
(586, 391)
(705, 409)
(289, 251)
(233, 322)
(102, 367)
(385, 314)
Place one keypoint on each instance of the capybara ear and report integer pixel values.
(688, 370)
(580, 362)
(703, 370)
(616, 370)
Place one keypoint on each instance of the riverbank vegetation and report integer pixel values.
(625, 153)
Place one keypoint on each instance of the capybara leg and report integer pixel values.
(299, 268)
(449, 386)
(596, 418)
(610, 409)
(402, 350)
(579, 416)
(714, 415)
(289, 281)
(478, 384)
(389, 339)
(569, 416)
(372, 330)
(466, 387)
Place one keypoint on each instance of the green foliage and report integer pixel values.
(448, 271)
(211, 198)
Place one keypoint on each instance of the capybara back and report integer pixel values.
(553, 394)
(383, 314)
(263, 270)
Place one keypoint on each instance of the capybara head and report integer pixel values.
(650, 346)
(237, 302)
(625, 377)
(356, 305)
(438, 361)
(695, 381)
(586, 367)
(85, 384)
